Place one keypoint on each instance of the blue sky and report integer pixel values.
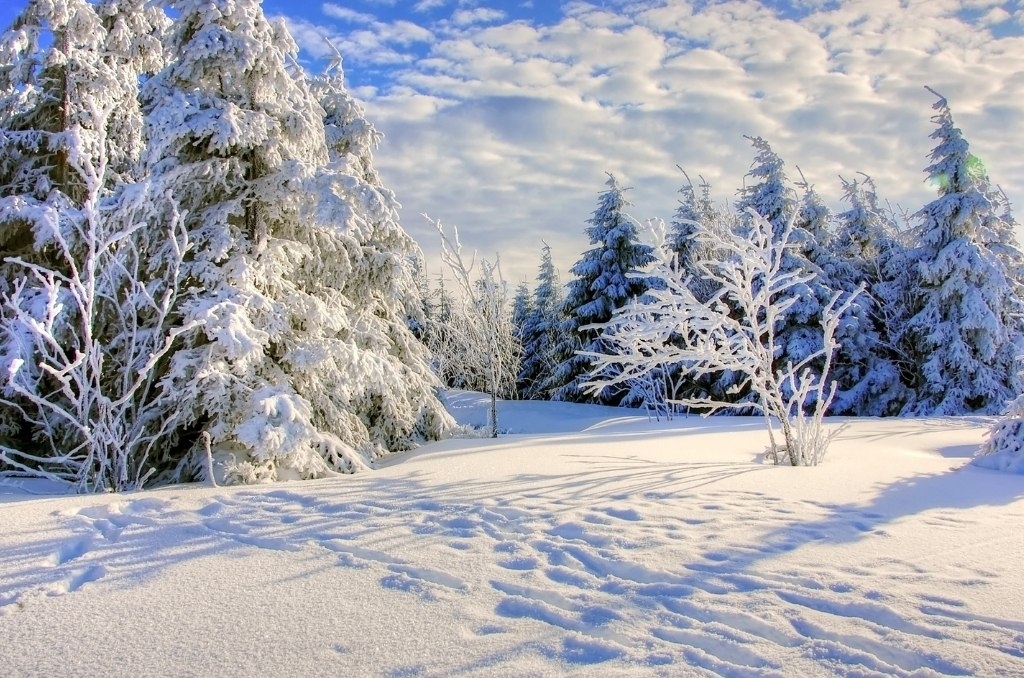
(502, 117)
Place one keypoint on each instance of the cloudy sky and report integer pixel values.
(503, 117)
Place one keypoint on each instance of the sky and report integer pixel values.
(502, 118)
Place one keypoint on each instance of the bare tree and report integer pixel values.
(734, 330)
(83, 337)
(480, 340)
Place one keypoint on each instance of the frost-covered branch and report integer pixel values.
(83, 333)
(479, 341)
(735, 330)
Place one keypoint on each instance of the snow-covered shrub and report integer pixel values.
(479, 341)
(735, 330)
(1004, 448)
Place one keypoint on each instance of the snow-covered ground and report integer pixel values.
(590, 541)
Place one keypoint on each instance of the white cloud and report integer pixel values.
(996, 15)
(506, 129)
(478, 15)
(375, 42)
(346, 14)
(427, 5)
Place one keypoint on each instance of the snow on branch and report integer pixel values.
(735, 330)
(478, 338)
(84, 331)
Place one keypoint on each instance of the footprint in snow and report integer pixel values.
(69, 550)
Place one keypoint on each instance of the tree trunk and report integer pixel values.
(494, 415)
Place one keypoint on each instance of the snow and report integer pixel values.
(588, 541)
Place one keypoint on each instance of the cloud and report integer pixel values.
(427, 5)
(505, 127)
(346, 14)
(373, 43)
(478, 15)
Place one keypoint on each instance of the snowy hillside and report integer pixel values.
(589, 541)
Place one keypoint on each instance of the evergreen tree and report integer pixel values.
(1000, 237)
(522, 306)
(964, 323)
(541, 331)
(602, 283)
(134, 49)
(869, 382)
(299, 272)
(694, 211)
(769, 195)
(395, 406)
(1004, 447)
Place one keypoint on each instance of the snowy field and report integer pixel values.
(589, 542)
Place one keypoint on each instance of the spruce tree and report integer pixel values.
(522, 305)
(299, 273)
(693, 211)
(541, 331)
(394, 407)
(770, 196)
(602, 283)
(868, 380)
(964, 325)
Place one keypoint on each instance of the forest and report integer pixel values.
(205, 278)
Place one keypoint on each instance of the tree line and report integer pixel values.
(927, 306)
(202, 274)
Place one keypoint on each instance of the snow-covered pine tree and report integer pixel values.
(1004, 448)
(293, 374)
(396, 407)
(1000, 237)
(134, 49)
(522, 305)
(869, 382)
(692, 211)
(964, 325)
(602, 283)
(540, 331)
(770, 196)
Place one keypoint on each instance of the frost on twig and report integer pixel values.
(479, 341)
(734, 330)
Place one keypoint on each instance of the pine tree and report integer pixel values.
(602, 283)
(964, 327)
(694, 210)
(134, 49)
(395, 407)
(305, 363)
(522, 306)
(869, 382)
(1004, 448)
(770, 196)
(541, 331)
